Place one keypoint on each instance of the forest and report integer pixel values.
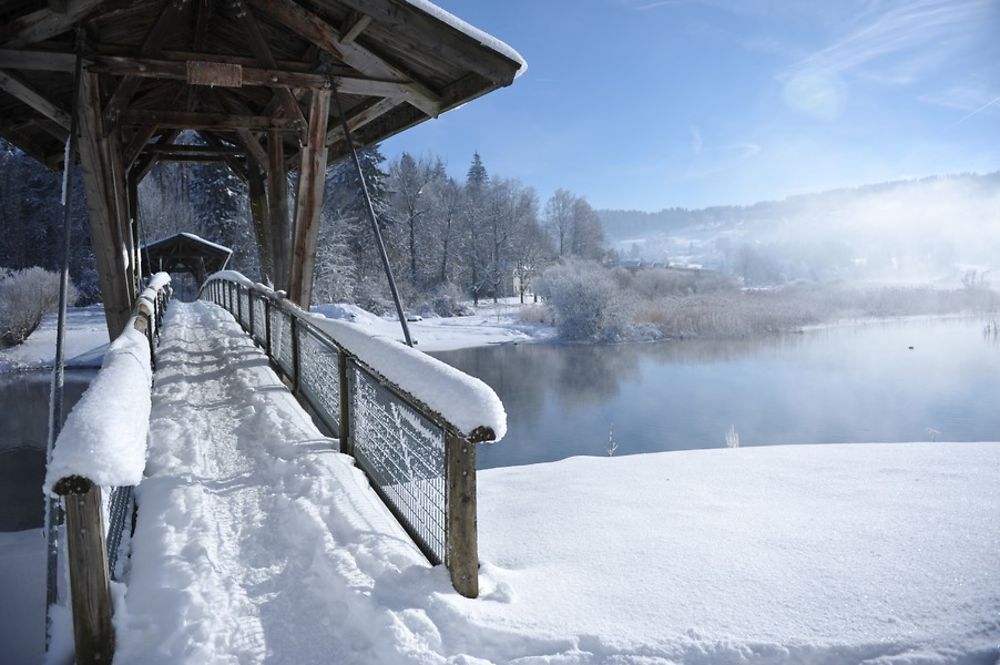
(448, 239)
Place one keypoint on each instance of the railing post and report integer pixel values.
(250, 313)
(88, 572)
(463, 535)
(267, 328)
(295, 353)
(344, 431)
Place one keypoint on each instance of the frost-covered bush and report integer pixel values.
(369, 297)
(25, 297)
(445, 301)
(587, 303)
(535, 314)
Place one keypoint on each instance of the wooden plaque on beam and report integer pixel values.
(222, 74)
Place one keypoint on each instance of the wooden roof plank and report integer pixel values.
(151, 45)
(44, 23)
(294, 17)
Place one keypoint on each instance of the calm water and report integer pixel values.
(24, 422)
(850, 384)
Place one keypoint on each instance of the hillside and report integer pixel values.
(934, 228)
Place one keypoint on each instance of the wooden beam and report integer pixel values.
(43, 24)
(277, 201)
(257, 190)
(313, 28)
(262, 52)
(151, 45)
(173, 150)
(98, 169)
(42, 61)
(17, 88)
(234, 163)
(309, 200)
(138, 142)
(358, 119)
(196, 158)
(251, 76)
(196, 120)
(356, 29)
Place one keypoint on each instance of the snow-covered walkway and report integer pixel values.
(255, 542)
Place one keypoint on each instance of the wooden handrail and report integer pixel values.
(87, 555)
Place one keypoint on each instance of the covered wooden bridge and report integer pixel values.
(247, 382)
(268, 87)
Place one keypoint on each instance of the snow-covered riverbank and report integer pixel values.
(86, 340)
(491, 323)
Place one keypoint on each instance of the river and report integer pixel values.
(909, 380)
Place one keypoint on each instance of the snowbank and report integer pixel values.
(874, 553)
(104, 438)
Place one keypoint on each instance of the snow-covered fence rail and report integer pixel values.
(410, 421)
(97, 460)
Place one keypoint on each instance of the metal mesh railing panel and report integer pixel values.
(259, 314)
(403, 453)
(244, 308)
(319, 375)
(281, 340)
(119, 519)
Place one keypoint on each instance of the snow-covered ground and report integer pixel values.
(491, 323)
(257, 543)
(86, 340)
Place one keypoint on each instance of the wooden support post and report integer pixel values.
(309, 201)
(88, 572)
(462, 556)
(296, 360)
(260, 213)
(99, 169)
(277, 201)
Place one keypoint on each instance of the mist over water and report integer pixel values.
(929, 231)
(843, 384)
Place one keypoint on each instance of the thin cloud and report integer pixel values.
(979, 110)
(918, 35)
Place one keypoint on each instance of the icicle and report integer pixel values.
(65, 178)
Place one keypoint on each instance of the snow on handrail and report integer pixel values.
(104, 438)
(464, 402)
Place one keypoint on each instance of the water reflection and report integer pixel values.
(848, 384)
(24, 421)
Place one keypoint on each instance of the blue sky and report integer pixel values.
(649, 104)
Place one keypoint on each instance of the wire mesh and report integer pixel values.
(319, 375)
(244, 308)
(120, 506)
(259, 312)
(281, 339)
(403, 453)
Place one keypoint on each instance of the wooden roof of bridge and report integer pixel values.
(235, 69)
